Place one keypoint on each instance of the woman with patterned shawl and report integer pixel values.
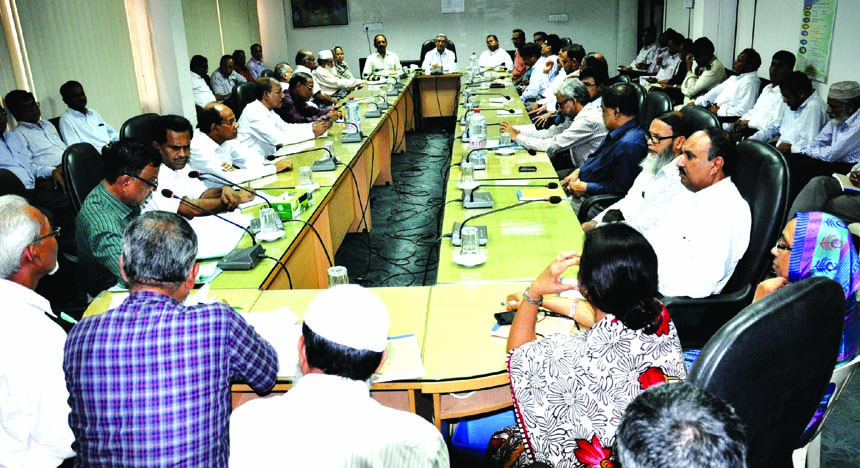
(340, 65)
(570, 390)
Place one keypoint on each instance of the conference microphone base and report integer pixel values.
(373, 114)
(350, 137)
(392, 92)
(324, 165)
(478, 200)
(242, 259)
(482, 235)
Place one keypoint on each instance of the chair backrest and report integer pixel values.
(139, 128)
(56, 122)
(566, 41)
(242, 96)
(656, 103)
(700, 117)
(10, 184)
(762, 178)
(618, 79)
(267, 73)
(83, 169)
(430, 44)
(641, 92)
(772, 362)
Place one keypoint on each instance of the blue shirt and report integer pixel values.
(615, 164)
(149, 381)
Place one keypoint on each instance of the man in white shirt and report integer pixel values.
(306, 62)
(224, 78)
(806, 113)
(649, 49)
(570, 58)
(79, 124)
(262, 131)
(38, 137)
(333, 419)
(328, 80)
(440, 59)
(762, 121)
(256, 64)
(34, 409)
(382, 61)
(200, 81)
(495, 56)
(700, 239)
(658, 185)
(172, 138)
(706, 73)
(738, 93)
(214, 150)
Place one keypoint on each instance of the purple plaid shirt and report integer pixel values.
(298, 112)
(149, 382)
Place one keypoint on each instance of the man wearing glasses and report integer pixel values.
(131, 175)
(296, 107)
(34, 409)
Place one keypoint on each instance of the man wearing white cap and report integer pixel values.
(328, 418)
(837, 147)
(328, 80)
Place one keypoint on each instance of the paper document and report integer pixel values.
(404, 360)
(215, 237)
(282, 328)
(507, 113)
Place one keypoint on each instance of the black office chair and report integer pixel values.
(618, 79)
(762, 179)
(772, 363)
(139, 128)
(429, 45)
(56, 122)
(243, 94)
(656, 103)
(83, 169)
(700, 117)
(641, 92)
(266, 73)
(566, 41)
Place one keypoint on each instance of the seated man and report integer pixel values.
(658, 185)
(256, 64)
(306, 62)
(706, 73)
(738, 93)
(295, 106)
(34, 414)
(240, 66)
(343, 343)
(35, 137)
(518, 39)
(835, 149)
(79, 124)
(495, 56)
(679, 425)
(569, 143)
(224, 78)
(262, 131)
(648, 51)
(670, 60)
(762, 121)
(700, 239)
(214, 150)
(440, 59)
(615, 164)
(200, 81)
(382, 62)
(544, 70)
(172, 138)
(328, 80)
(131, 175)
(149, 381)
(283, 72)
(806, 113)
(570, 58)
(528, 55)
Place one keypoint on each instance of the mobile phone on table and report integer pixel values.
(528, 169)
(505, 318)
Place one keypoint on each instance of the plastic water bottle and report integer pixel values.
(474, 67)
(353, 114)
(478, 135)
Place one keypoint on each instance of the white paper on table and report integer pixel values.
(282, 328)
(498, 100)
(404, 360)
(505, 113)
(216, 237)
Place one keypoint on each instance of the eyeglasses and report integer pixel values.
(54, 233)
(657, 138)
(589, 85)
(153, 183)
(781, 245)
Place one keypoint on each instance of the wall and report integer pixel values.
(608, 26)
(238, 25)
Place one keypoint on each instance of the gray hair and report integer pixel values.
(158, 249)
(572, 88)
(17, 230)
(281, 69)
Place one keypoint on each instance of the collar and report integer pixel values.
(332, 385)
(38, 126)
(618, 132)
(78, 113)
(812, 96)
(30, 297)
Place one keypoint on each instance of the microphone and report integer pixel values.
(493, 94)
(485, 200)
(352, 137)
(201, 175)
(465, 135)
(238, 259)
(373, 113)
(323, 165)
(555, 200)
(482, 81)
(512, 145)
(551, 185)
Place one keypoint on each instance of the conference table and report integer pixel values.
(464, 364)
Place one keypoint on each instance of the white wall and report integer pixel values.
(607, 26)
(714, 19)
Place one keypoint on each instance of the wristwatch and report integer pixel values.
(527, 298)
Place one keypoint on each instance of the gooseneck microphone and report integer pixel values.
(239, 258)
(492, 94)
(272, 157)
(551, 185)
(555, 199)
(203, 175)
(512, 145)
(321, 165)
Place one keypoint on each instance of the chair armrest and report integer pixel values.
(728, 118)
(606, 199)
(721, 299)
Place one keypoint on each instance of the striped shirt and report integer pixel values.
(579, 136)
(149, 381)
(98, 235)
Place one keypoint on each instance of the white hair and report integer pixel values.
(17, 230)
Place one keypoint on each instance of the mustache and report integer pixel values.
(682, 171)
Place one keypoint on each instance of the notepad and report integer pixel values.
(538, 193)
(404, 360)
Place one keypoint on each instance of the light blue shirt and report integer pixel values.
(835, 143)
(40, 141)
(91, 128)
(19, 163)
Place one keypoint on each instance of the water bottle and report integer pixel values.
(474, 67)
(478, 136)
(353, 114)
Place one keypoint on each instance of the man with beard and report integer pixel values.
(658, 185)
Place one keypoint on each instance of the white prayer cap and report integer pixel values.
(325, 54)
(351, 316)
(844, 90)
